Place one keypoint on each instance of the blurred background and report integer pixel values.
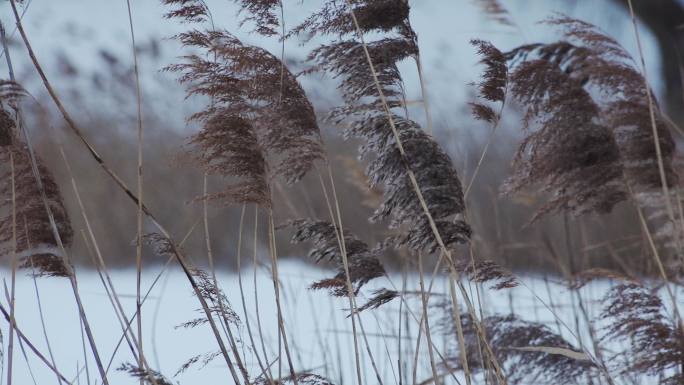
(85, 49)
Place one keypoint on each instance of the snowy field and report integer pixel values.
(318, 330)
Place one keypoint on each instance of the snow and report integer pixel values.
(318, 331)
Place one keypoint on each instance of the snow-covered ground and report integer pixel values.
(318, 331)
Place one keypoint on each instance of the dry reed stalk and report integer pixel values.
(124, 322)
(10, 342)
(428, 336)
(350, 290)
(677, 232)
(276, 288)
(459, 332)
(39, 304)
(147, 293)
(658, 260)
(222, 309)
(139, 218)
(85, 353)
(110, 297)
(255, 264)
(345, 261)
(252, 342)
(31, 346)
(569, 274)
(424, 298)
(99, 262)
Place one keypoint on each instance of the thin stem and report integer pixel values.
(31, 346)
(265, 372)
(217, 290)
(256, 287)
(138, 248)
(656, 139)
(276, 288)
(10, 343)
(424, 299)
(39, 303)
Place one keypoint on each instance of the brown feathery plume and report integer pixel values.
(373, 16)
(148, 376)
(435, 174)
(493, 85)
(379, 298)
(35, 241)
(301, 378)
(612, 70)
(571, 154)
(202, 359)
(262, 13)
(219, 307)
(588, 98)
(189, 11)
(364, 264)
(635, 316)
(159, 244)
(219, 304)
(492, 88)
(529, 351)
(259, 121)
(496, 11)
(6, 128)
(488, 272)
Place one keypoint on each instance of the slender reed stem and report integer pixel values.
(276, 288)
(256, 287)
(138, 248)
(656, 139)
(31, 346)
(424, 299)
(252, 342)
(39, 303)
(12, 299)
(217, 293)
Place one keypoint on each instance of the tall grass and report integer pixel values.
(593, 137)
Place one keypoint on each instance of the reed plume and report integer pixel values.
(368, 119)
(147, 376)
(35, 241)
(493, 85)
(488, 272)
(300, 378)
(188, 11)
(363, 262)
(219, 305)
(637, 316)
(258, 124)
(261, 13)
(592, 137)
(529, 351)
